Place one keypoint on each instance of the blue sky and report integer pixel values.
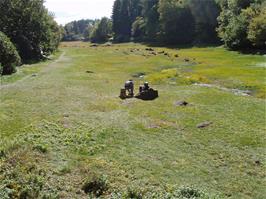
(69, 10)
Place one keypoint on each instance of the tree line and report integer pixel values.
(238, 23)
(88, 30)
(27, 32)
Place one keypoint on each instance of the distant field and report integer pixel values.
(64, 133)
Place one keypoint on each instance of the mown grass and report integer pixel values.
(66, 134)
(27, 70)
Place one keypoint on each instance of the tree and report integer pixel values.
(78, 30)
(177, 22)
(237, 21)
(88, 32)
(151, 18)
(205, 13)
(102, 31)
(257, 29)
(124, 14)
(30, 27)
(138, 29)
(9, 57)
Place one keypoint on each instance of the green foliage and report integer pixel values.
(177, 22)
(171, 22)
(240, 25)
(30, 27)
(257, 29)
(101, 31)
(125, 13)
(205, 13)
(9, 57)
(138, 29)
(151, 17)
(78, 30)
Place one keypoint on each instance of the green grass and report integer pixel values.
(65, 130)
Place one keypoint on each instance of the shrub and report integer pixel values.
(9, 57)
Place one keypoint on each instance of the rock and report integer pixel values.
(154, 53)
(154, 126)
(148, 95)
(2, 154)
(66, 115)
(186, 60)
(181, 103)
(139, 75)
(34, 75)
(149, 49)
(204, 125)
(257, 162)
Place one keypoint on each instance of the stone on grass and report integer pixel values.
(204, 124)
(149, 49)
(181, 103)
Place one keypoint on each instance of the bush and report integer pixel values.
(9, 57)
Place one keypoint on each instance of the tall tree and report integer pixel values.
(205, 13)
(30, 27)
(151, 17)
(125, 13)
(177, 22)
(78, 30)
(102, 31)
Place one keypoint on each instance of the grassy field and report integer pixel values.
(66, 134)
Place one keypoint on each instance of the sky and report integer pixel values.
(70, 10)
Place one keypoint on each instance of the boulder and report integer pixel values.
(181, 103)
(149, 49)
(148, 95)
(204, 125)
